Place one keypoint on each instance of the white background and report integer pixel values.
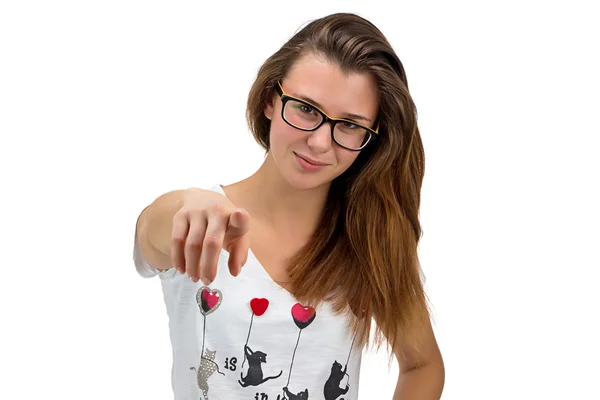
(105, 105)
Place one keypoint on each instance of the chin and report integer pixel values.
(302, 181)
(306, 183)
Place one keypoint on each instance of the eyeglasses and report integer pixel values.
(304, 116)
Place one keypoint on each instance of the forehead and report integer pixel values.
(337, 91)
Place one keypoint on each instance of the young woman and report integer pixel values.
(318, 243)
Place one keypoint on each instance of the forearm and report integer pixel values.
(423, 383)
(155, 226)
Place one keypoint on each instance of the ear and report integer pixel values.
(270, 106)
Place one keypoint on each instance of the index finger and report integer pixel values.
(238, 225)
(237, 240)
(238, 254)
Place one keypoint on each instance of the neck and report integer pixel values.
(269, 198)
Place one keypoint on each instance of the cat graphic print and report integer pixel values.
(255, 371)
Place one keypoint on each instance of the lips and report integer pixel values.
(310, 160)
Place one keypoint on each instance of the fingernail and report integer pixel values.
(205, 281)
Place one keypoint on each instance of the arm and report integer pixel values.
(186, 228)
(154, 228)
(421, 378)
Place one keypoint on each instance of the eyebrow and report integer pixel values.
(315, 103)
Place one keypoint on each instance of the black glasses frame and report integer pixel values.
(326, 118)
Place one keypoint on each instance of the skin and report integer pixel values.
(286, 200)
(338, 94)
(282, 203)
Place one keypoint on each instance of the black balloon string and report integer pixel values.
(247, 339)
(293, 356)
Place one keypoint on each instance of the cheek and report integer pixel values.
(346, 158)
(281, 134)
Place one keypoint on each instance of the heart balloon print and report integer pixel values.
(303, 315)
(208, 300)
(259, 306)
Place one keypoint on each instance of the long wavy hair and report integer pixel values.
(363, 258)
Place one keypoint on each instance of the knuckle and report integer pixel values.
(189, 213)
(212, 241)
(193, 243)
(218, 209)
(181, 214)
(195, 213)
(177, 240)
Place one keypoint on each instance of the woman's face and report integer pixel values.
(339, 95)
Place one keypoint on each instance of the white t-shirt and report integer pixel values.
(255, 338)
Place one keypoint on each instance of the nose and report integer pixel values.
(320, 140)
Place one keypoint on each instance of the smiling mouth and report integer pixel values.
(310, 161)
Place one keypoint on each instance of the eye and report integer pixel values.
(306, 109)
(350, 125)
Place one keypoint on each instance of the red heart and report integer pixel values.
(211, 298)
(303, 315)
(259, 306)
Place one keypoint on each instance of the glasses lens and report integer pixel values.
(350, 135)
(301, 115)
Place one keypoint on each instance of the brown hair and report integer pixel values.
(364, 258)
